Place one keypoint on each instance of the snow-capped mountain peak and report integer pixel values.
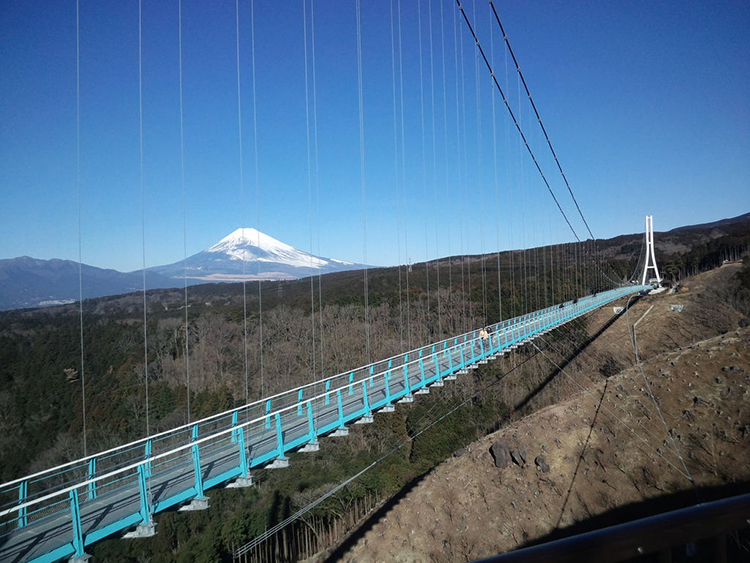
(249, 237)
(251, 245)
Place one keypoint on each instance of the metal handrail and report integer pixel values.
(639, 537)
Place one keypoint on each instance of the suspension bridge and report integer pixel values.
(58, 512)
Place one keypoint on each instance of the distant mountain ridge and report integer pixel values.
(245, 254)
(30, 282)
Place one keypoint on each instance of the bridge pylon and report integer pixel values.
(650, 263)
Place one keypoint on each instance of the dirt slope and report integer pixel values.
(605, 447)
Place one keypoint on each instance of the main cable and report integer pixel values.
(515, 121)
(538, 117)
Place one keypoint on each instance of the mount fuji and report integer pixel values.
(248, 254)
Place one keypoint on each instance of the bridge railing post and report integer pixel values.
(366, 399)
(238, 436)
(387, 380)
(23, 491)
(91, 475)
(406, 375)
(144, 474)
(279, 436)
(351, 380)
(299, 403)
(328, 394)
(438, 375)
(268, 412)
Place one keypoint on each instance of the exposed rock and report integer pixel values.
(519, 455)
(501, 454)
(541, 464)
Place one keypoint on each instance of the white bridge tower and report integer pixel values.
(650, 257)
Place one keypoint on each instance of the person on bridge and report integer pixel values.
(484, 335)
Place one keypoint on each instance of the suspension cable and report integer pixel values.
(143, 205)
(321, 365)
(241, 163)
(313, 354)
(184, 207)
(256, 181)
(497, 192)
(396, 169)
(80, 220)
(434, 182)
(362, 177)
(424, 150)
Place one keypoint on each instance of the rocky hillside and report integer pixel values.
(601, 456)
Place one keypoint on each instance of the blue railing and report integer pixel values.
(56, 513)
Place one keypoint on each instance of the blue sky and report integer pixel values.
(647, 104)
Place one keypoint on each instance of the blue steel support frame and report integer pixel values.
(388, 384)
(341, 408)
(279, 436)
(75, 519)
(197, 464)
(143, 475)
(311, 435)
(238, 436)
